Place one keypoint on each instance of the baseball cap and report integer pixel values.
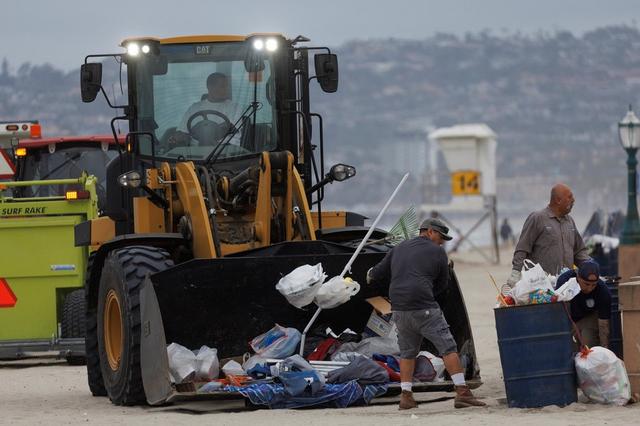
(587, 268)
(436, 225)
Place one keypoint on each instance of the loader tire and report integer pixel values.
(73, 321)
(119, 319)
(94, 373)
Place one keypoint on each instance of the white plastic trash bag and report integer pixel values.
(301, 285)
(602, 376)
(533, 278)
(568, 290)
(335, 292)
(367, 347)
(233, 368)
(279, 342)
(182, 363)
(207, 364)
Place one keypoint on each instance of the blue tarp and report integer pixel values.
(332, 395)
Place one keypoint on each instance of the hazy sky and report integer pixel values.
(62, 32)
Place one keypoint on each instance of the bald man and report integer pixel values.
(549, 237)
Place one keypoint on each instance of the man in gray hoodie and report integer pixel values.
(418, 269)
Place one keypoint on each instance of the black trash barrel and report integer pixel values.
(536, 353)
(608, 261)
(615, 324)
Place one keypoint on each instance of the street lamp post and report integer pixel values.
(629, 132)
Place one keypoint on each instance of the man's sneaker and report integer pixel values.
(406, 401)
(464, 398)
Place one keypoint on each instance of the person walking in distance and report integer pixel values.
(506, 233)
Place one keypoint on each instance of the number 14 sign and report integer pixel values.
(465, 182)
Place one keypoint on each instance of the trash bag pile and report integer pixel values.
(537, 287)
(306, 284)
(335, 371)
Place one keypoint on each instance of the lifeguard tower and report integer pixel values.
(469, 151)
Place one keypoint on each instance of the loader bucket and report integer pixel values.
(226, 302)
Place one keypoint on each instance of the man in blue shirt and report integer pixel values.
(591, 308)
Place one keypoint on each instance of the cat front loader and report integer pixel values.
(210, 203)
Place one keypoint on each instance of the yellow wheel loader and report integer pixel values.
(210, 203)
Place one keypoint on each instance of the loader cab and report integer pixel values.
(217, 101)
(204, 101)
(261, 98)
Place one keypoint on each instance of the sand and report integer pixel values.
(47, 392)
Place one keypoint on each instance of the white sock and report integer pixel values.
(406, 386)
(458, 379)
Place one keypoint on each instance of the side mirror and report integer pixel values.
(327, 71)
(90, 80)
(159, 64)
(254, 62)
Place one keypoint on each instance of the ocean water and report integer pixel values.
(463, 222)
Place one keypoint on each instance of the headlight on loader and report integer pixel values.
(340, 172)
(130, 179)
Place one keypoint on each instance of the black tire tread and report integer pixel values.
(92, 352)
(73, 321)
(136, 262)
(73, 317)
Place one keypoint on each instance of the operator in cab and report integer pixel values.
(210, 119)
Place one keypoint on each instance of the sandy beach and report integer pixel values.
(37, 392)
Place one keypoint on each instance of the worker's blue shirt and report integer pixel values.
(599, 300)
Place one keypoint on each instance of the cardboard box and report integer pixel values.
(380, 322)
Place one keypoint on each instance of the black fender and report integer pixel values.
(168, 241)
(349, 234)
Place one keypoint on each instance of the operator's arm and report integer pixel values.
(179, 138)
(382, 271)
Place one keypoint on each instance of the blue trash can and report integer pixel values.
(536, 353)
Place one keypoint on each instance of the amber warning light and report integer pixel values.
(76, 195)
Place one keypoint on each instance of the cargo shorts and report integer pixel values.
(430, 324)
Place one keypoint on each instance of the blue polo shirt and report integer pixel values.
(599, 300)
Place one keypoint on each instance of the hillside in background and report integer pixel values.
(553, 99)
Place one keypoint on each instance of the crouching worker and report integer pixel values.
(591, 308)
(417, 270)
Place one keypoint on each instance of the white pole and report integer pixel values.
(353, 258)
(373, 227)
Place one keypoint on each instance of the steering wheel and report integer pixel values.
(205, 118)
